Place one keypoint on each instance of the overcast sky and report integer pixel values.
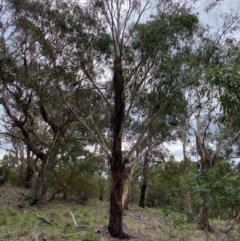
(213, 17)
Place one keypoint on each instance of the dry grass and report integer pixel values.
(54, 222)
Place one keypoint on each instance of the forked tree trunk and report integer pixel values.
(203, 220)
(206, 164)
(39, 191)
(115, 226)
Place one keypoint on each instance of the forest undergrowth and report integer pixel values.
(65, 220)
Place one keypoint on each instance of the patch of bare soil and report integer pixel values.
(11, 196)
(142, 222)
(134, 234)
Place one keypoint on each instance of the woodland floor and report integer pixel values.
(53, 222)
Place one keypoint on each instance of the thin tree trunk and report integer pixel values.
(144, 182)
(142, 196)
(115, 226)
(101, 185)
(129, 171)
(188, 206)
(231, 224)
(127, 183)
(128, 197)
(28, 171)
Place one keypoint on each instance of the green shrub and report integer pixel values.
(80, 187)
(4, 171)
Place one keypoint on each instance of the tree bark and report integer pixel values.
(127, 183)
(231, 224)
(206, 163)
(144, 182)
(115, 226)
(128, 174)
(28, 172)
(142, 196)
(128, 197)
(203, 221)
(187, 198)
(39, 191)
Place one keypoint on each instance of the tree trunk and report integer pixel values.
(28, 176)
(144, 182)
(39, 191)
(101, 184)
(203, 221)
(128, 197)
(127, 182)
(231, 224)
(115, 227)
(128, 174)
(187, 198)
(117, 164)
(28, 172)
(101, 189)
(142, 196)
(206, 164)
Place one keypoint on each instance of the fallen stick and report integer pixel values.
(75, 222)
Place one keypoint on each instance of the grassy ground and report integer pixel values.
(54, 222)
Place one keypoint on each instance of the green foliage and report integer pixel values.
(15, 176)
(76, 185)
(167, 185)
(149, 37)
(84, 187)
(174, 221)
(12, 174)
(221, 186)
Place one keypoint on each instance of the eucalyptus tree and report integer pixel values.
(212, 135)
(36, 71)
(137, 53)
(225, 78)
(72, 48)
